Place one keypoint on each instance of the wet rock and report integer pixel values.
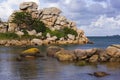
(84, 54)
(113, 51)
(91, 52)
(51, 51)
(30, 52)
(103, 56)
(90, 42)
(65, 55)
(80, 63)
(94, 58)
(80, 54)
(100, 74)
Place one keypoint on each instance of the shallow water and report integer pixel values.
(49, 68)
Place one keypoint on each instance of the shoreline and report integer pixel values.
(38, 42)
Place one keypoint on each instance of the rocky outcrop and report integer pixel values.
(114, 52)
(52, 19)
(110, 54)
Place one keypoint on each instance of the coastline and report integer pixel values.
(38, 42)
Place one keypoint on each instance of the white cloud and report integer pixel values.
(8, 6)
(103, 26)
(84, 12)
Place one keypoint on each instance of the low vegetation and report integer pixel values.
(33, 23)
(8, 36)
(61, 33)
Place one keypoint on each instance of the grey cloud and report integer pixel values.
(115, 4)
(51, 1)
(100, 0)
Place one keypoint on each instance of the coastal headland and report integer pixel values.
(32, 26)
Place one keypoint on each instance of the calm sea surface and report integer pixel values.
(51, 69)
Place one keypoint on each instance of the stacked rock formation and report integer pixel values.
(110, 54)
(51, 17)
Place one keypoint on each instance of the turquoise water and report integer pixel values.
(50, 69)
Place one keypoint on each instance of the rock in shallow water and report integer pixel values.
(51, 51)
(99, 74)
(65, 55)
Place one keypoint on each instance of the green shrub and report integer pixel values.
(31, 23)
(25, 32)
(8, 35)
(22, 17)
(69, 31)
(39, 26)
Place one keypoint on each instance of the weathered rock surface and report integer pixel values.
(36, 42)
(84, 54)
(28, 5)
(52, 19)
(30, 52)
(65, 55)
(114, 52)
(3, 27)
(89, 55)
(99, 74)
(51, 51)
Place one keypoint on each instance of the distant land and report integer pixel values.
(106, 36)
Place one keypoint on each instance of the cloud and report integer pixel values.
(100, 0)
(86, 13)
(115, 4)
(103, 26)
(8, 6)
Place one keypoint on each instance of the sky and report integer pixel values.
(95, 17)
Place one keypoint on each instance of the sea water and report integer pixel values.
(51, 69)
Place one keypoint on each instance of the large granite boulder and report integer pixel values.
(51, 51)
(94, 58)
(84, 54)
(114, 52)
(65, 55)
(28, 5)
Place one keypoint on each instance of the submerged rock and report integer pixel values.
(30, 52)
(100, 74)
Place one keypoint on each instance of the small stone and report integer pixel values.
(100, 74)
